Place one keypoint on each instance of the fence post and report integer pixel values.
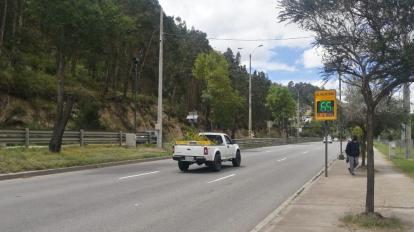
(27, 137)
(120, 138)
(149, 137)
(81, 137)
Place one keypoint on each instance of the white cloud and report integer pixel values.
(241, 19)
(312, 58)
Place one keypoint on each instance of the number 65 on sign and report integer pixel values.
(325, 105)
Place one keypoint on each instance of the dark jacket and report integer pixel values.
(352, 148)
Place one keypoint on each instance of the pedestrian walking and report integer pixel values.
(352, 152)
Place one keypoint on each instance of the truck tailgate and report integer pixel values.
(188, 150)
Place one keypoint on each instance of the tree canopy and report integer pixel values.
(368, 43)
(281, 104)
(222, 101)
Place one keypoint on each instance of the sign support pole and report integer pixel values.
(325, 110)
(326, 148)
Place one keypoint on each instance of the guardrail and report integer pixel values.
(265, 142)
(28, 137)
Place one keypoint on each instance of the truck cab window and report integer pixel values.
(215, 138)
(228, 140)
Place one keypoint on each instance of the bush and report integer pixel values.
(87, 116)
(27, 84)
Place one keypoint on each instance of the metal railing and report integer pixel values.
(265, 142)
(28, 137)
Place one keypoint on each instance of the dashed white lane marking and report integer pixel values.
(282, 159)
(142, 174)
(305, 152)
(222, 178)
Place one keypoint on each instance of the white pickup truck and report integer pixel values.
(218, 148)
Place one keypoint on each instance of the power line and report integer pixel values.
(258, 40)
(245, 40)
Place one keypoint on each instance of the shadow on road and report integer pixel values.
(195, 169)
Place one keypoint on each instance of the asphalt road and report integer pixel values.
(156, 196)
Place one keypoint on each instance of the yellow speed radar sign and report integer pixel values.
(325, 105)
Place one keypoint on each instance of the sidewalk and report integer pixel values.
(320, 207)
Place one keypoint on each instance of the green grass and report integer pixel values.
(21, 159)
(373, 222)
(406, 165)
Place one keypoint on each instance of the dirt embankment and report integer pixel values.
(114, 115)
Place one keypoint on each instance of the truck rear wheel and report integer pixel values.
(183, 166)
(216, 164)
(237, 160)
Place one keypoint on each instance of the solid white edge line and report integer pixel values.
(142, 174)
(282, 159)
(222, 178)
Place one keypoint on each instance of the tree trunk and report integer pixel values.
(369, 204)
(364, 149)
(126, 81)
(62, 110)
(16, 12)
(3, 24)
(55, 144)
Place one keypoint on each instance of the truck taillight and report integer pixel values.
(205, 151)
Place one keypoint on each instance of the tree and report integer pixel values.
(239, 79)
(222, 101)
(281, 104)
(386, 112)
(368, 43)
(3, 18)
(71, 27)
(260, 89)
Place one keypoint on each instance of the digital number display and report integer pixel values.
(325, 107)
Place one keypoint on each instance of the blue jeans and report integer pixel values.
(353, 163)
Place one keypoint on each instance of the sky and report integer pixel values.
(283, 60)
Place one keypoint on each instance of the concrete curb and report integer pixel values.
(76, 168)
(276, 215)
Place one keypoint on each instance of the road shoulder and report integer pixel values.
(76, 168)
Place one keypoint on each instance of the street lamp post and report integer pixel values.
(250, 90)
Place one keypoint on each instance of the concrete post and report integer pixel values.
(27, 138)
(81, 137)
(120, 138)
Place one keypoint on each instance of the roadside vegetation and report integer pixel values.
(14, 160)
(399, 160)
(373, 222)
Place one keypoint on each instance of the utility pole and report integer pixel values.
(250, 96)
(160, 72)
(407, 109)
(298, 112)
